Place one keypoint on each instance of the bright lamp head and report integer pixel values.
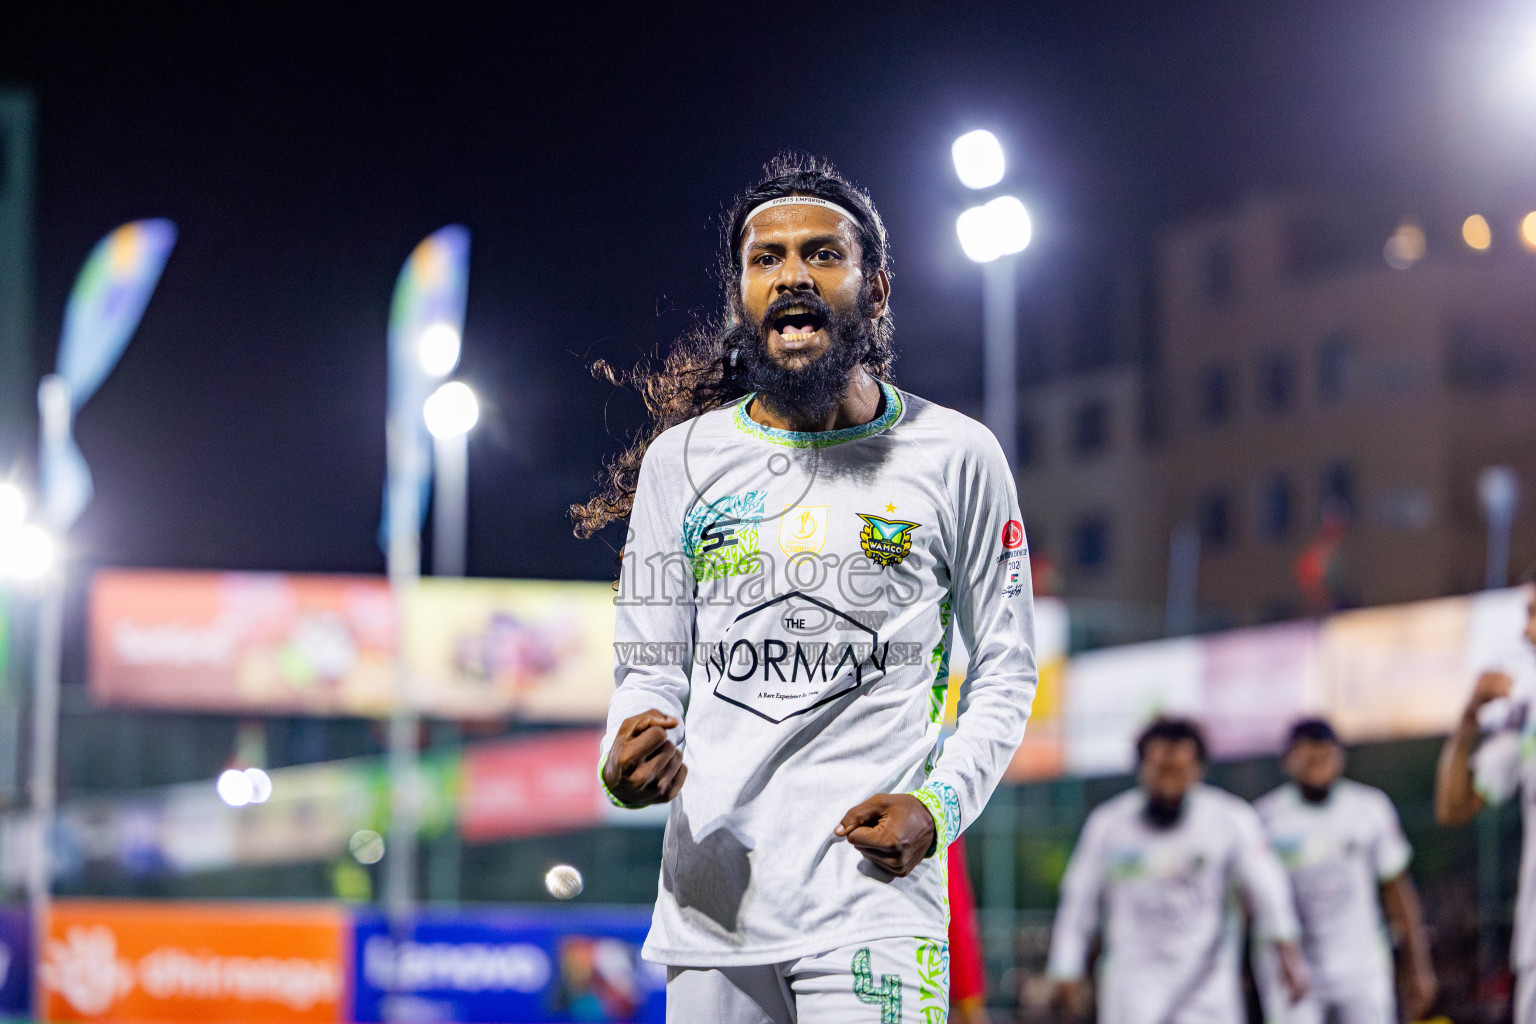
(978, 159)
(438, 349)
(998, 228)
(451, 411)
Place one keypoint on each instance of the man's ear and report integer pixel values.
(879, 294)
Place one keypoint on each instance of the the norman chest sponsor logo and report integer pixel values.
(793, 654)
(885, 541)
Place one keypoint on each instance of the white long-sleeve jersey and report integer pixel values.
(791, 598)
(1167, 903)
(1338, 853)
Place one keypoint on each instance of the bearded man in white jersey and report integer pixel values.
(804, 540)
(1160, 873)
(1344, 849)
(1501, 766)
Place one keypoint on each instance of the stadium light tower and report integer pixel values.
(451, 413)
(992, 234)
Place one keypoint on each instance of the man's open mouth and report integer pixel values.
(798, 322)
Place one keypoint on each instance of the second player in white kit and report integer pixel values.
(1161, 873)
(1344, 849)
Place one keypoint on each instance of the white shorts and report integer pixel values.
(1369, 1001)
(884, 981)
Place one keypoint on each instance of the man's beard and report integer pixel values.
(1162, 813)
(1315, 794)
(815, 389)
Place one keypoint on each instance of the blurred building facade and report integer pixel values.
(16, 117)
(1317, 416)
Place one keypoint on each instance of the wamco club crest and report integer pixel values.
(885, 541)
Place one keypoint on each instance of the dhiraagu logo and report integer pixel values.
(721, 538)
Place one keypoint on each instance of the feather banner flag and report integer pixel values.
(103, 311)
(427, 312)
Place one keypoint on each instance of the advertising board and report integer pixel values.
(509, 967)
(172, 962)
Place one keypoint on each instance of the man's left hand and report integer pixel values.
(892, 830)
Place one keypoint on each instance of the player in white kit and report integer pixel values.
(804, 542)
(1504, 765)
(1347, 858)
(1161, 873)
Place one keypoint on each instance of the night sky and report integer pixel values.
(590, 150)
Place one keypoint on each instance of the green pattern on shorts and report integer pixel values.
(932, 981)
(887, 996)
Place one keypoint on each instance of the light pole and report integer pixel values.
(451, 413)
(425, 330)
(992, 234)
(1499, 492)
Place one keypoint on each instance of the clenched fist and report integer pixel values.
(892, 830)
(643, 766)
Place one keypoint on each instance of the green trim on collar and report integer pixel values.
(821, 438)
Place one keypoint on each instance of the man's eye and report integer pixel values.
(826, 255)
(767, 259)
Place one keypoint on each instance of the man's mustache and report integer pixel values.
(811, 301)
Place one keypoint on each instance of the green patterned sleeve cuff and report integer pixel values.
(602, 760)
(944, 805)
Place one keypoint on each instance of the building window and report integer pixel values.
(1217, 280)
(1336, 491)
(1277, 383)
(1277, 507)
(1335, 366)
(1090, 543)
(1090, 428)
(1215, 520)
(1214, 395)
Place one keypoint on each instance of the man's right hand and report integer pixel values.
(643, 766)
(1069, 998)
(1490, 687)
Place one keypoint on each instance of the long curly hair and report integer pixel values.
(698, 373)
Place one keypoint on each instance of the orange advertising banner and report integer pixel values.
(230, 641)
(228, 963)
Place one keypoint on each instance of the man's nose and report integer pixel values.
(794, 276)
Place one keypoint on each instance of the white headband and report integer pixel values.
(798, 201)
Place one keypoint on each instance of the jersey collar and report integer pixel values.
(821, 438)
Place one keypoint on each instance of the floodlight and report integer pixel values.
(438, 349)
(978, 159)
(998, 228)
(452, 410)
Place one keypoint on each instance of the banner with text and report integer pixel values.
(325, 645)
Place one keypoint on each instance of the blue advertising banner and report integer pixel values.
(509, 967)
(16, 964)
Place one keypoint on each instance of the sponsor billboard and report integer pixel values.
(1255, 683)
(124, 961)
(532, 786)
(281, 644)
(1110, 694)
(538, 649)
(1398, 671)
(15, 963)
(508, 967)
(325, 645)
